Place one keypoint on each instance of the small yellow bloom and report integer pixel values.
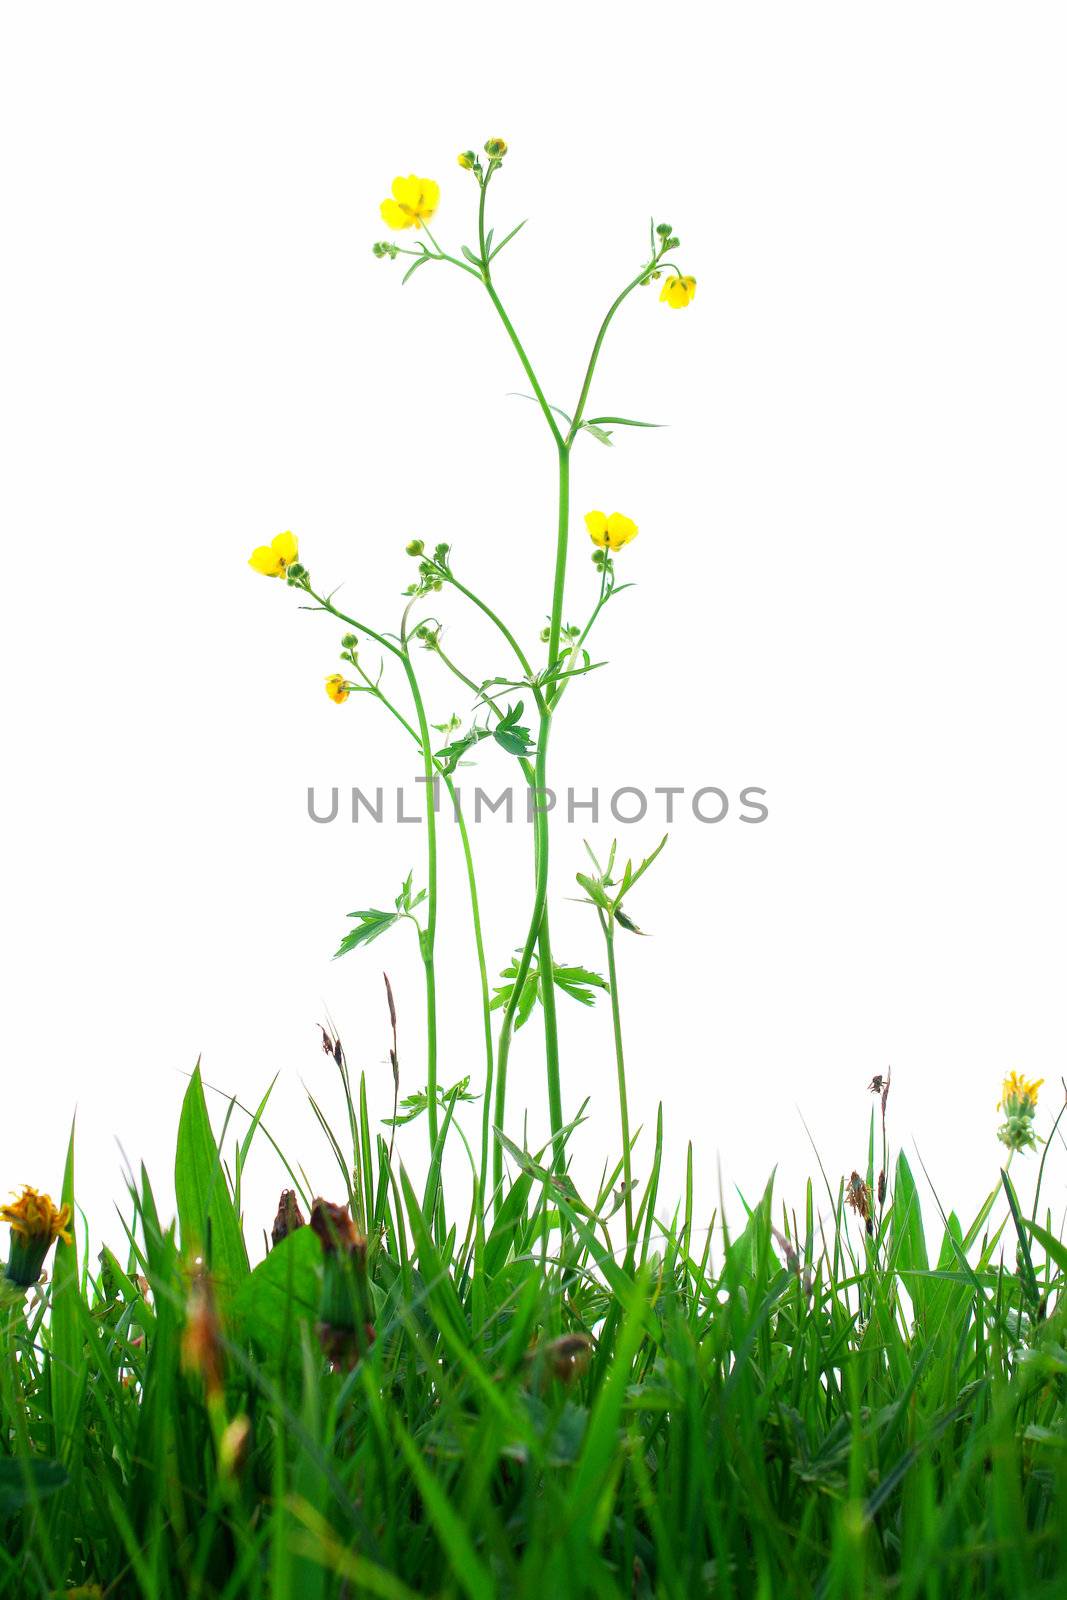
(1018, 1101)
(36, 1216)
(36, 1223)
(337, 688)
(1019, 1091)
(678, 292)
(273, 560)
(414, 202)
(610, 533)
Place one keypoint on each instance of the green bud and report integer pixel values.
(295, 570)
(415, 548)
(496, 149)
(546, 634)
(672, 243)
(349, 641)
(663, 229)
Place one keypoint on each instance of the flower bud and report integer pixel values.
(415, 548)
(296, 570)
(496, 149)
(663, 229)
(289, 1217)
(233, 1447)
(467, 160)
(349, 641)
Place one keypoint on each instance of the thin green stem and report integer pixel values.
(599, 341)
(607, 924)
(428, 934)
(476, 918)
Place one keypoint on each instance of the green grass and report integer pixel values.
(548, 1407)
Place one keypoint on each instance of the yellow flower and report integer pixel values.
(337, 688)
(1018, 1101)
(610, 533)
(36, 1216)
(36, 1223)
(414, 202)
(678, 292)
(273, 560)
(1019, 1092)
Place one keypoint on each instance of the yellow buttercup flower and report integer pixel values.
(337, 688)
(678, 292)
(610, 533)
(36, 1223)
(414, 202)
(274, 560)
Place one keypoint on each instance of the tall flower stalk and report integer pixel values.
(410, 209)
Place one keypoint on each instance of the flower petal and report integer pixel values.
(394, 216)
(265, 561)
(597, 523)
(284, 546)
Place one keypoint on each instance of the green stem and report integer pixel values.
(476, 917)
(620, 1066)
(538, 935)
(599, 341)
(428, 934)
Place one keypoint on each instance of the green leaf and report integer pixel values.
(283, 1291)
(67, 1369)
(595, 890)
(510, 736)
(505, 241)
(415, 265)
(209, 1223)
(452, 754)
(602, 434)
(622, 422)
(579, 983)
(475, 261)
(413, 1105)
(1055, 1248)
(372, 924)
(24, 1481)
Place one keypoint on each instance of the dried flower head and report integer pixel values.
(289, 1217)
(346, 1309)
(566, 1358)
(858, 1196)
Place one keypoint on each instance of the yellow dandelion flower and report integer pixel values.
(337, 688)
(1019, 1090)
(678, 292)
(1018, 1101)
(414, 202)
(274, 560)
(36, 1223)
(610, 533)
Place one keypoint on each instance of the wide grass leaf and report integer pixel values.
(206, 1212)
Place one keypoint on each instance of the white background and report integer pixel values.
(849, 569)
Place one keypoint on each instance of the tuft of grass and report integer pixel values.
(535, 1397)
